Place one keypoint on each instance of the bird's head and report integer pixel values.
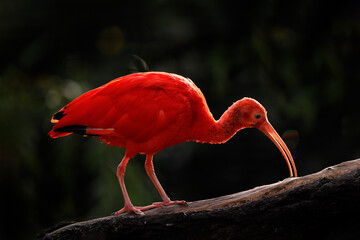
(254, 115)
(251, 113)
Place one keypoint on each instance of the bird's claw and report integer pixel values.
(162, 204)
(138, 210)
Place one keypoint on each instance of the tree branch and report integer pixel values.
(324, 204)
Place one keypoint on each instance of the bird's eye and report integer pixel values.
(257, 115)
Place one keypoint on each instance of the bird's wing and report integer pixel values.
(126, 108)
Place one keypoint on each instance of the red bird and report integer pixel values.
(147, 112)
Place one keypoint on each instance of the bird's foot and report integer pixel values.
(139, 210)
(136, 210)
(161, 204)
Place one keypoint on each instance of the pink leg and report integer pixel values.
(121, 174)
(149, 167)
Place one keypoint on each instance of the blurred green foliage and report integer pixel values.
(299, 59)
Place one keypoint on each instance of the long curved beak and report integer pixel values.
(270, 132)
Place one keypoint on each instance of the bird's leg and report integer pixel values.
(121, 174)
(149, 167)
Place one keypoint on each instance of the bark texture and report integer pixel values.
(323, 205)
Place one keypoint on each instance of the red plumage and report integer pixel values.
(147, 112)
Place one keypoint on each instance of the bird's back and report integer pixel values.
(144, 112)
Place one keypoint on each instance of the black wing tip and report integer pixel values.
(78, 129)
(57, 116)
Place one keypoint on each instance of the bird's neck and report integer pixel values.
(223, 129)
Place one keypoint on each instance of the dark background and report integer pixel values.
(299, 59)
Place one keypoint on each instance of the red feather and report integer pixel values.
(139, 108)
(147, 112)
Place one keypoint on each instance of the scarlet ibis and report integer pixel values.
(147, 112)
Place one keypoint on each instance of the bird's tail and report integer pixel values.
(54, 134)
(81, 130)
(67, 130)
